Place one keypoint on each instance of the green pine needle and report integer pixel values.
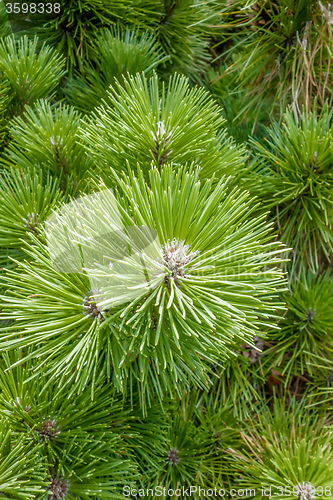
(295, 181)
(148, 123)
(25, 203)
(118, 52)
(32, 74)
(44, 137)
(161, 338)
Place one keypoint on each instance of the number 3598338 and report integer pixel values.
(33, 8)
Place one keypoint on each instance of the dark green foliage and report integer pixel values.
(32, 74)
(320, 383)
(72, 25)
(194, 446)
(45, 138)
(5, 28)
(25, 203)
(183, 33)
(306, 329)
(179, 25)
(241, 122)
(240, 378)
(295, 181)
(118, 52)
(288, 447)
(282, 51)
(70, 433)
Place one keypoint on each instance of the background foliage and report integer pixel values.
(210, 122)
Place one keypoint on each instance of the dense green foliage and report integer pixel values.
(166, 241)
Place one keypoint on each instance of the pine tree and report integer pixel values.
(67, 434)
(166, 249)
(118, 52)
(166, 321)
(295, 183)
(42, 140)
(26, 202)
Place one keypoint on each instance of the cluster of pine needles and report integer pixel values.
(166, 249)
